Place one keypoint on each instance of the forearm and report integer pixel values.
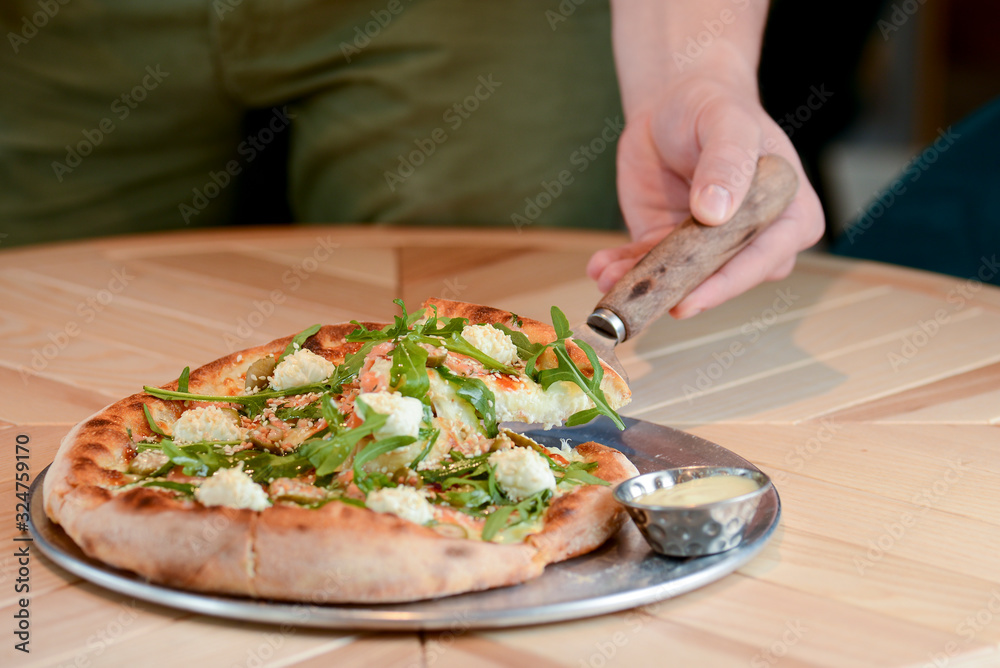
(659, 41)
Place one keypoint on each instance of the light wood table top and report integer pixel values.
(870, 394)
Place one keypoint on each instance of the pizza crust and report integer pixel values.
(337, 553)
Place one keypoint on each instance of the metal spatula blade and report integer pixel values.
(683, 260)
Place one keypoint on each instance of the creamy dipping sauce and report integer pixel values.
(700, 490)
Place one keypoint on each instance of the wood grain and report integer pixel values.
(857, 441)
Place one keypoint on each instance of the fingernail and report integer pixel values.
(713, 204)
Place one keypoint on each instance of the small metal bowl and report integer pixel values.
(692, 531)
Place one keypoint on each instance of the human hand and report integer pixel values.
(692, 150)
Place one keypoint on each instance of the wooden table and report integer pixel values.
(870, 394)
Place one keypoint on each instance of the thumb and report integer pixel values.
(730, 141)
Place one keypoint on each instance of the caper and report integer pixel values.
(259, 372)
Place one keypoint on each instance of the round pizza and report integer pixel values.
(352, 463)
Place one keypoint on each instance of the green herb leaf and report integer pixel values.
(373, 450)
(182, 382)
(526, 350)
(408, 374)
(476, 393)
(578, 472)
(298, 341)
(527, 510)
(198, 459)
(152, 423)
(263, 467)
(328, 454)
(496, 521)
(184, 488)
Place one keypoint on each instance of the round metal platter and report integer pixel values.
(623, 573)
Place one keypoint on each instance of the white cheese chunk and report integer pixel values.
(491, 341)
(524, 400)
(402, 501)
(405, 413)
(521, 472)
(207, 423)
(303, 367)
(232, 488)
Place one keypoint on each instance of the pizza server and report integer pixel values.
(683, 260)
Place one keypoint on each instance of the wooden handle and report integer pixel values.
(693, 252)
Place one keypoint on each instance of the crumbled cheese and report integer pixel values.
(402, 501)
(521, 472)
(405, 413)
(302, 367)
(208, 423)
(491, 341)
(232, 488)
(148, 461)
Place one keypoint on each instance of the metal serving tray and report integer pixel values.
(624, 573)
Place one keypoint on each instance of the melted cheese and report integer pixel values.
(524, 400)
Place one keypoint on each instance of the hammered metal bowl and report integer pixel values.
(691, 531)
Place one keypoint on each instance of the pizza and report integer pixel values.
(352, 463)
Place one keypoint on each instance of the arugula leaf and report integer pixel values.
(496, 521)
(408, 374)
(567, 370)
(527, 510)
(430, 436)
(476, 393)
(458, 466)
(182, 382)
(298, 341)
(263, 467)
(252, 403)
(526, 350)
(152, 423)
(328, 454)
(199, 459)
(329, 412)
(579, 472)
(184, 488)
(373, 450)
(309, 412)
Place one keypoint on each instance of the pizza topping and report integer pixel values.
(405, 502)
(521, 472)
(259, 372)
(148, 462)
(303, 367)
(298, 491)
(232, 488)
(491, 341)
(405, 413)
(207, 423)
